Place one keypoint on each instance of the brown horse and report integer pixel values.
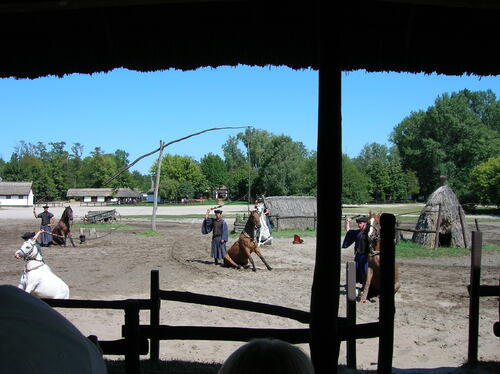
(240, 252)
(63, 228)
(371, 286)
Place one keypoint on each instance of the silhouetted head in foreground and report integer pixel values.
(266, 356)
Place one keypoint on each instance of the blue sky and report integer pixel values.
(132, 111)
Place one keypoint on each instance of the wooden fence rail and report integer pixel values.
(135, 335)
(476, 290)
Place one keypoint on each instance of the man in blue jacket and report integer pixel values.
(359, 237)
(218, 227)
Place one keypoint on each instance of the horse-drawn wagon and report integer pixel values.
(101, 216)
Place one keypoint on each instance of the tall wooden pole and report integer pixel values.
(475, 281)
(325, 293)
(157, 184)
(387, 306)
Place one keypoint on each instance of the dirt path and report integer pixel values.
(432, 305)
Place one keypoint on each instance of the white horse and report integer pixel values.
(37, 278)
(264, 231)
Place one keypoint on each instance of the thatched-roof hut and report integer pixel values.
(292, 212)
(444, 206)
(58, 38)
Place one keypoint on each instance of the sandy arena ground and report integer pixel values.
(431, 322)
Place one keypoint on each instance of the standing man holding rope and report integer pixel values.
(46, 225)
(220, 236)
(361, 247)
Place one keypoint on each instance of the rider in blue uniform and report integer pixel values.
(359, 237)
(218, 227)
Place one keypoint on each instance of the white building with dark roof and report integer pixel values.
(16, 193)
(104, 195)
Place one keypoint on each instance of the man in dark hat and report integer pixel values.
(218, 227)
(359, 237)
(46, 224)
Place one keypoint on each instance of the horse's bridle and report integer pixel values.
(373, 238)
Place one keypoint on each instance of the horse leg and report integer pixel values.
(366, 286)
(259, 253)
(71, 239)
(397, 284)
(229, 261)
(252, 262)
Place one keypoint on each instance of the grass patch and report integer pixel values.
(409, 249)
(149, 233)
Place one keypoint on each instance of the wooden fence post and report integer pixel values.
(475, 280)
(438, 225)
(132, 356)
(154, 315)
(387, 308)
(463, 226)
(351, 312)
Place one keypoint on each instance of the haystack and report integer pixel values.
(292, 212)
(453, 230)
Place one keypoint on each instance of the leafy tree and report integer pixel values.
(181, 169)
(186, 189)
(370, 152)
(485, 182)
(169, 189)
(280, 167)
(233, 155)
(308, 174)
(97, 168)
(214, 170)
(139, 181)
(459, 132)
(355, 184)
(277, 165)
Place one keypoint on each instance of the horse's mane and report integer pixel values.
(250, 225)
(65, 216)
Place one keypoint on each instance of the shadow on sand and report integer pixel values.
(185, 367)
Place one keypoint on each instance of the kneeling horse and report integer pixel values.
(240, 252)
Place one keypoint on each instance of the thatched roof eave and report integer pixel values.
(453, 37)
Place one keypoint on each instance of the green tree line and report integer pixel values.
(53, 169)
(458, 136)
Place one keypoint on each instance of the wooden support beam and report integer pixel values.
(475, 279)
(387, 307)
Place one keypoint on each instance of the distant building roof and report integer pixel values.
(15, 188)
(82, 192)
(105, 192)
(128, 192)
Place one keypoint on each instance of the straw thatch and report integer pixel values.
(292, 212)
(64, 37)
(15, 188)
(453, 230)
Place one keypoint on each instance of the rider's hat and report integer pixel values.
(218, 211)
(45, 206)
(362, 219)
(28, 235)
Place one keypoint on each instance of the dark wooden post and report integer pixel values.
(438, 225)
(325, 295)
(462, 223)
(475, 279)
(351, 312)
(154, 313)
(398, 233)
(132, 335)
(387, 308)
